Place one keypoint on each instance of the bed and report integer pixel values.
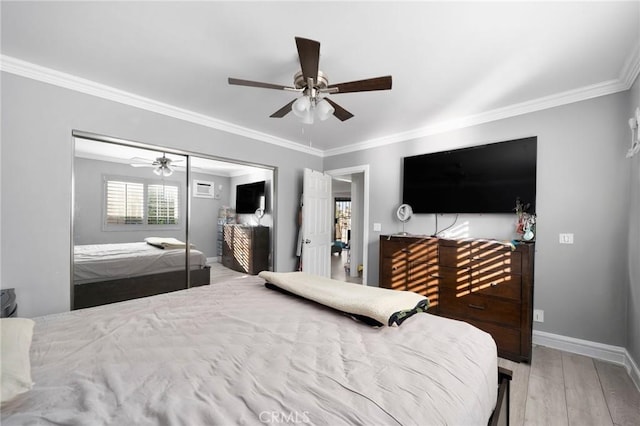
(107, 273)
(238, 352)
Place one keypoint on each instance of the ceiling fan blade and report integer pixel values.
(309, 54)
(140, 162)
(377, 83)
(340, 113)
(240, 82)
(282, 111)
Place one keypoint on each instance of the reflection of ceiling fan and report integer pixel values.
(313, 83)
(162, 165)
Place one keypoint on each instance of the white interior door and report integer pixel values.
(316, 223)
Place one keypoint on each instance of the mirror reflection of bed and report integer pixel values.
(130, 220)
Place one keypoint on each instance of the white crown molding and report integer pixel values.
(614, 354)
(47, 75)
(558, 99)
(22, 68)
(631, 68)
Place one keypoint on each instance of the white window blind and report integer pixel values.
(162, 205)
(125, 203)
(139, 204)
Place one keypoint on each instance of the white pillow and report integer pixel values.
(15, 365)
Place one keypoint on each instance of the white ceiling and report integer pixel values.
(452, 63)
(94, 150)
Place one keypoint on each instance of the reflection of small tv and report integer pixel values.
(250, 197)
(482, 179)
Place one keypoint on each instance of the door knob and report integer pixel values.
(307, 241)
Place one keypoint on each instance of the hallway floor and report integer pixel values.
(337, 268)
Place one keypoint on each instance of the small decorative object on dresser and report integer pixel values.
(486, 283)
(404, 214)
(526, 225)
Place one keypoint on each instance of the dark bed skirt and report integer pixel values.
(104, 292)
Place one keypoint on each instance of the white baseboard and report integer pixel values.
(615, 354)
(211, 260)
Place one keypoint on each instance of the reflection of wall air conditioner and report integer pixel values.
(203, 189)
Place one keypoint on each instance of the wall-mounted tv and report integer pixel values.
(250, 197)
(480, 179)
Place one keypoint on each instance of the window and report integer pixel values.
(343, 219)
(162, 205)
(125, 203)
(130, 202)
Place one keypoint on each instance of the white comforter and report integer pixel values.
(239, 353)
(99, 262)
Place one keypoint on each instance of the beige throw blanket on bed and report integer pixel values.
(168, 243)
(381, 304)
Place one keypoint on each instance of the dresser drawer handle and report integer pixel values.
(404, 250)
(471, 305)
(494, 284)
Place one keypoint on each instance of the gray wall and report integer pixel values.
(582, 187)
(88, 205)
(633, 301)
(204, 215)
(37, 159)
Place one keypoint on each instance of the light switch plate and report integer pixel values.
(566, 238)
(377, 227)
(538, 315)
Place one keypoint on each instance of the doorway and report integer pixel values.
(350, 187)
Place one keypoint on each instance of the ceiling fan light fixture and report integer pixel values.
(324, 109)
(301, 107)
(163, 170)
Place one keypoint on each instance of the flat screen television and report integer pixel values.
(250, 197)
(480, 179)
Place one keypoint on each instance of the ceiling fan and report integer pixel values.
(162, 165)
(314, 86)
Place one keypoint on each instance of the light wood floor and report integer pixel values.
(220, 273)
(556, 389)
(337, 268)
(561, 388)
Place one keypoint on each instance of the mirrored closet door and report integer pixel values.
(129, 224)
(148, 221)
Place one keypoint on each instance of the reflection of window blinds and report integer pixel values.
(125, 203)
(162, 205)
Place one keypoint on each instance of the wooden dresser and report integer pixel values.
(483, 282)
(246, 248)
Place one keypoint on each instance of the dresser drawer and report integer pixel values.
(479, 307)
(394, 247)
(394, 273)
(497, 283)
(507, 339)
(412, 249)
(454, 256)
(482, 260)
(504, 259)
(454, 278)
